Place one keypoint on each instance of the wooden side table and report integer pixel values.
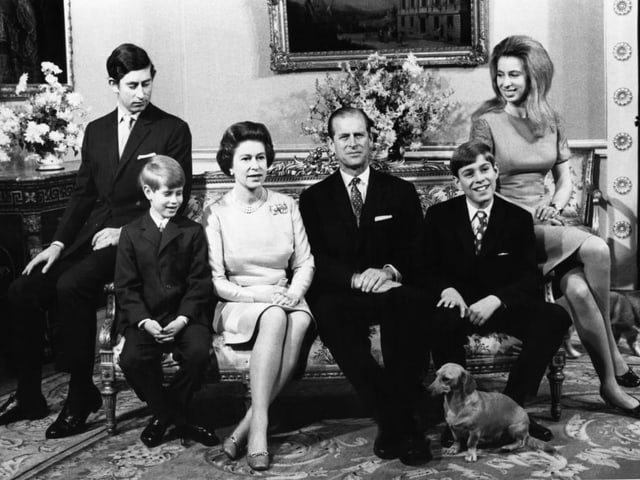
(31, 204)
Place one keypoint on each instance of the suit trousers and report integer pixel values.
(141, 363)
(539, 325)
(71, 288)
(344, 319)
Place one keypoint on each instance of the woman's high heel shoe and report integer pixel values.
(259, 460)
(629, 379)
(630, 412)
(232, 448)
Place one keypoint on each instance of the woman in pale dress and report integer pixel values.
(524, 133)
(262, 266)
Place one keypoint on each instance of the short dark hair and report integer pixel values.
(127, 58)
(467, 153)
(161, 171)
(345, 112)
(238, 133)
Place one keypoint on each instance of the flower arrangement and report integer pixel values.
(408, 105)
(46, 123)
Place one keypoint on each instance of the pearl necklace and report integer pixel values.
(248, 209)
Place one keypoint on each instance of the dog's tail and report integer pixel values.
(536, 444)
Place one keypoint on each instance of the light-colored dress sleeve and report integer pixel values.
(481, 130)
(301, 262)
(223, 288)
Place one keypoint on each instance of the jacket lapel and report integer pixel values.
(150, 231)
(170, 232)
(374, 194)
(342, 204)
(463, 226)
(492, 234)
(140, 130)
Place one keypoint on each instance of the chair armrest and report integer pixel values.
(104, 338)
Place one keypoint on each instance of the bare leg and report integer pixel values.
(595, 256)
(266, 360)
(298, 323)
(592, 332)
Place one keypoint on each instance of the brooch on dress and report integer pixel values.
(278, 208)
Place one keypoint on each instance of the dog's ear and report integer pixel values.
(468, 383)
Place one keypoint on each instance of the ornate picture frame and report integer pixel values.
(30, 40)
(319, 34)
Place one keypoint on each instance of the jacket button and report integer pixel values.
(167, 286)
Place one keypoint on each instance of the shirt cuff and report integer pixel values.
(58, 243)
(396, 276)
(142, 322)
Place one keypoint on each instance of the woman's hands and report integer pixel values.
(278, 295)
(548, 214)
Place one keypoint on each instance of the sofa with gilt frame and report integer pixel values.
(428, 171)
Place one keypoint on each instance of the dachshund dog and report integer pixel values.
(481, 417)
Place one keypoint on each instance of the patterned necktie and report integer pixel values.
(481, 226)
(356, 199)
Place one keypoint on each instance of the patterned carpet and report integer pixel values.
(319, 435)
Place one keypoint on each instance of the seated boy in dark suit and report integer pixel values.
(165, 296)
(481, 267)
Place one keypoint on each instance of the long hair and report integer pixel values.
(538, 69)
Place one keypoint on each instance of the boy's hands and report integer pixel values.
(168, 333)
(482, 310)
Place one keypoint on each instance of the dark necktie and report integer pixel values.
(356, 199)
(480, 228)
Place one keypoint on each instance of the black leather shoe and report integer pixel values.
(73, 419)
(153, 433)
(416, 450)
(628, 380)
(387, 445)
(630, 412)
(538, 431)
(197, 434)
(13, 410)
(446, 438)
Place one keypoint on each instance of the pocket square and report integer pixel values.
(503, 254)
(146, 155)
(381, 218)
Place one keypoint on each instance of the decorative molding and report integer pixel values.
(622, 51)
(622, 141)
(622, 96)
(622, 229)
(622, 7)
(622, 185)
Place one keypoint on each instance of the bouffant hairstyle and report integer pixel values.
(161, 171)
(538, 69)
(467, 153)
(238, 133)
(345, 112)
(128, 58)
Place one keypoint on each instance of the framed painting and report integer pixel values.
(31, 32)
(319, 34)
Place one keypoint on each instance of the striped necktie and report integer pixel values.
(356, 199)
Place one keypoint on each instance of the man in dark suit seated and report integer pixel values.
(482, 272)
(363, 227)
(71, 272)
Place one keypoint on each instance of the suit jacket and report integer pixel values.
(162, 275)
(388, 232)
(107, 193)
(506, 266)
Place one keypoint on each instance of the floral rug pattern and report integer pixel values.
(592, 443)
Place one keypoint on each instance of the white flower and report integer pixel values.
(50, 68)
(51, 79)
(35, 132)
(75, 99)
(56, 137)
(21, 87)
(3, 156)
(4, 139)
(66, 115)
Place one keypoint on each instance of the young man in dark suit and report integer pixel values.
(363, 227)
(165, 296)
(482, 272)
(71, 272)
